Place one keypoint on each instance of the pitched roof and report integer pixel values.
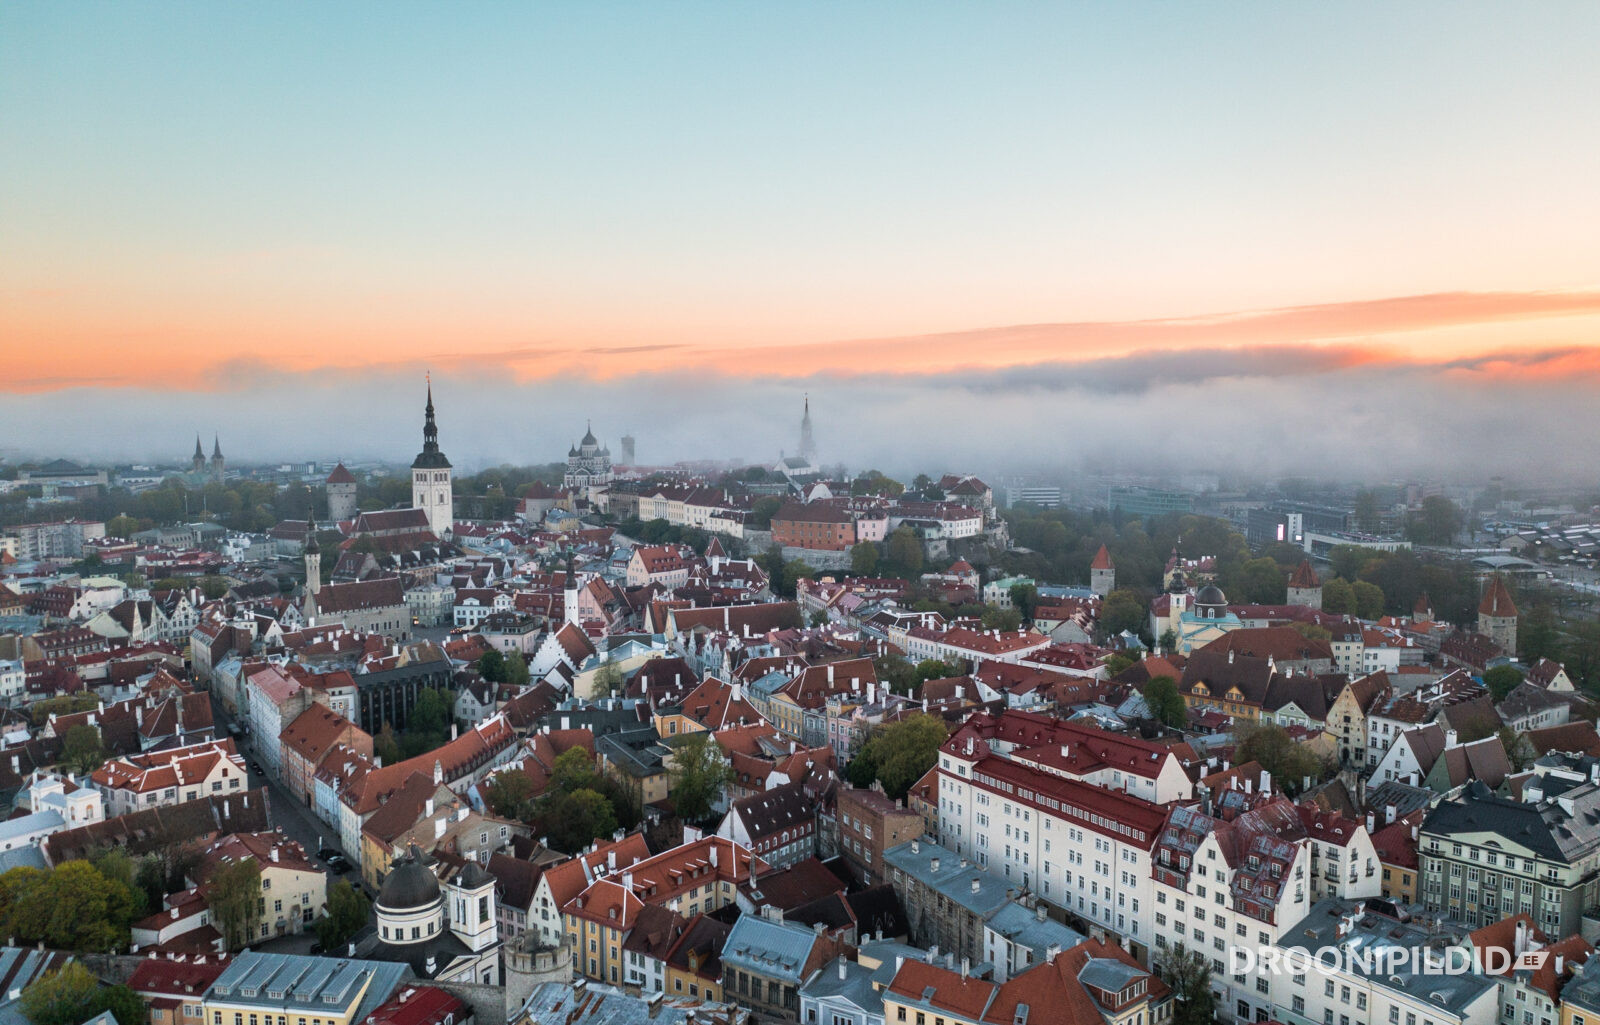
(1497, 599)
(1304, 576)
(1102, 559)
(377, 593)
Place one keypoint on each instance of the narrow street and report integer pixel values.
(297, 821)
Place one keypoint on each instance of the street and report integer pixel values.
(297, 821)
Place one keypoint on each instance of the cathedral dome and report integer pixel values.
(409, 885)
(1211, 594)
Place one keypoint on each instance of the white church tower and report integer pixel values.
(430, 477)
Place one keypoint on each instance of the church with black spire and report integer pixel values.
(430, 477)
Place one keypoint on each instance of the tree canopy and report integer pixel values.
(1166, 702)
(899, 754)
(698, 776)
(72, 995)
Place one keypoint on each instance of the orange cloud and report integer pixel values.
(1467, 332)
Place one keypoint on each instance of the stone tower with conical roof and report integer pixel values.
(1497, 615)
(1304, 587)
(1102, 573)
(430, 477)
(341, 487)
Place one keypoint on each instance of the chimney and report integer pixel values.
(977, 884)
(1388, 814)
(1449, 739)
(830, 672)
(428, 804)
(842, 964)
(1052, 952)
(933, 865)
(1371, 819)
(1266, 782)
(1040, 912)
(274, 852)
(438, 828)
(1230, 656)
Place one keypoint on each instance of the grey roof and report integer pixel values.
(298, 984)
(1019, 925)
(20, 966)
(773, 950)
(26, 856)
(1583, 991)
(1109, 974)
(602, 1005)
(952, 877)
(50, 820)
(1373, 931)
(844, 981)
(1566, 829)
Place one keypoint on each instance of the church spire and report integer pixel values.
(808, 444)
(216, 447)
(430, 456)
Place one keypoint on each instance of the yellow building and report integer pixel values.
(698, 878)
(298, 989)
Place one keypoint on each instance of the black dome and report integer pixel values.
(1211, 594)
(408, 885)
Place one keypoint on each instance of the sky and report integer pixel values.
(1017, 233)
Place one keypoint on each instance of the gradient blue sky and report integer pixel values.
(622, 189)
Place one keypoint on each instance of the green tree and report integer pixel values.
(901, 753)
(213, 587)
(1025, 598)
(386, 746)
(864, 559)
(698, 775)
(761, 512)
(1348, 561)
(1165, 702)
(572, 770)
(1188, 973)
(1118, 663)
(608, 680)
(897, 673)
(1001, 619)
(348, 910)
(1369, 599)
(905, 551)
(1271, 746)
(510, 794)
(1338, 598)
(574, 820)
(236, 901)
(71, 907)
(492, 666)
(517, 674)
(71, 995)
(935, 669)
(1518, 751)
(1437, 522)
(82, 749)
(1123, 609)
(1537, 636)
(1502, 680)
(1260, 581)
(794, 571)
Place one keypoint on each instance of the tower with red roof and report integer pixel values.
(1102, 573)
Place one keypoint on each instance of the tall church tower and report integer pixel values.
(808, 444)
(430, 477)
(199, 460)
(313, 555)
(217, 463)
